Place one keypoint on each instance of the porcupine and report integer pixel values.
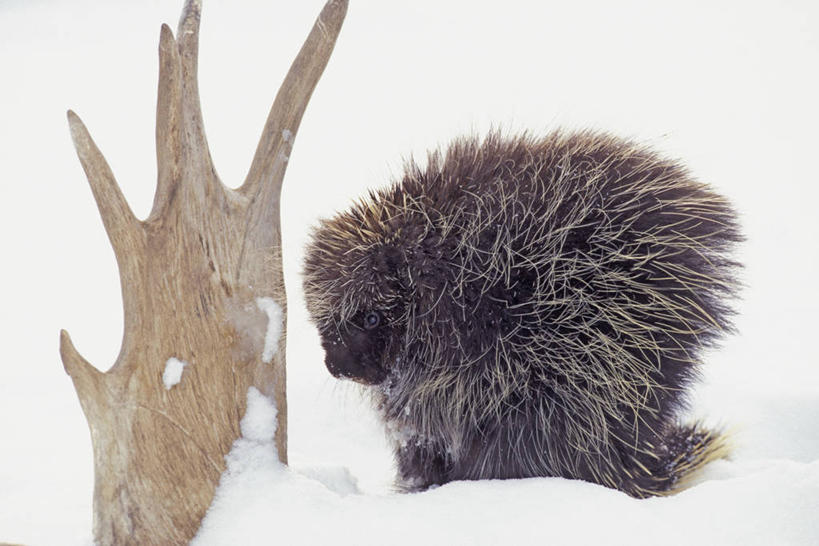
(530, 306)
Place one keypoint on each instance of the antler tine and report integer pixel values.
(197, 154)
(122, 226)
(168, 114)
(87, 379)
(270, 161)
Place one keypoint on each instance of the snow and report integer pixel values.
(173, 372)
(738, 104)
(274, 327)
(259, 422)
(252, 461)
(276, 502)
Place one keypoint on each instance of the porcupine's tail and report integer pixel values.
(670, 467)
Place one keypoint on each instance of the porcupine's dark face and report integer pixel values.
(356, 348)
(354, 297)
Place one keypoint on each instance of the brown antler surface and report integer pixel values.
(201, 281)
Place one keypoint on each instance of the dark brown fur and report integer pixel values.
(531, 307)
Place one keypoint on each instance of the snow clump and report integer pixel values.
(173, 372)
(274, 327)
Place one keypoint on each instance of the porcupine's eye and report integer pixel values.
(372, 320)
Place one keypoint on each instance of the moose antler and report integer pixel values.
(203, 293)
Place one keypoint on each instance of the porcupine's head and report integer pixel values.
(354, 292)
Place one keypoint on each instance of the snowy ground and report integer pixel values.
(729, 86)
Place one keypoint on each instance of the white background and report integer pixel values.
(730, 87)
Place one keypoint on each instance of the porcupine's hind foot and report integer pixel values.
(669, 467)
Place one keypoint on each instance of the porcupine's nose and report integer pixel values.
(343, 363)
(340, 361)
(333, 361)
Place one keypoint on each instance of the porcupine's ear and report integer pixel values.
(388, 258)
(376, 271)
(424, 274)
(389, 261)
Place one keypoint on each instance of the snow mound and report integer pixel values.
(771, 502)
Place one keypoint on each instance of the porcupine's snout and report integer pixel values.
(346, 357)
